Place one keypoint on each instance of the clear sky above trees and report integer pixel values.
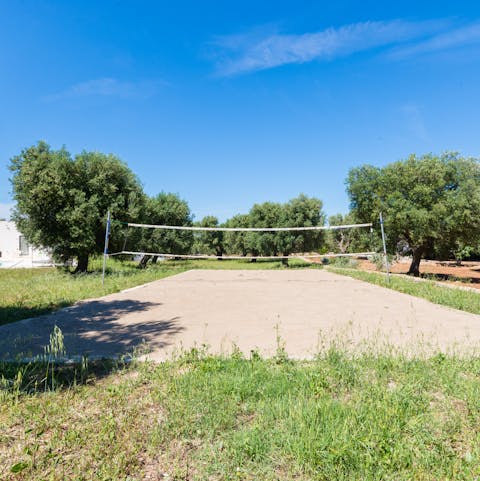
(188, 97)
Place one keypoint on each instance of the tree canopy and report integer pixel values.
(208, 242)
(164, 209)
(351, 240)
(238, 243)
(301, 211)
(61, 202)
(430, 206)
(427, 202)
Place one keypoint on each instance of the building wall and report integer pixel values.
(10, 253)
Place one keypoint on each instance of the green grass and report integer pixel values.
(447, 296)
(32, 292)
(383, 417)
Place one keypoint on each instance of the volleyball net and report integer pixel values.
(222, 242)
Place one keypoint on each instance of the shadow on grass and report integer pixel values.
(450, 277)
(40, 375)
(97, 329)
(10, 314)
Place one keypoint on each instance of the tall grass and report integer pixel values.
(49, 371)
(339, 417)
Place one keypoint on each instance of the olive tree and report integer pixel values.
(350, 240)
(61, 202)
(426, 201)
(237, 243)
(267, 214)
(301, 211)
(208, 242)
(165, 209)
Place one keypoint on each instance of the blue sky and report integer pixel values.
(232, 103)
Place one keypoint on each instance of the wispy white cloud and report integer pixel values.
(108, 87)
(5, 209)
(238, 54)
(458, 37)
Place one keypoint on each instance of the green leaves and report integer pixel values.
(301, 211)
(428, 202)
(208, 242)
(18, 467)
(62, 201)
(166, 209)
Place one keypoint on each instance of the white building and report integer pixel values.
(15, 251)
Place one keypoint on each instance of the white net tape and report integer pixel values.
(248, 229)
(243, 229)
(226, 257)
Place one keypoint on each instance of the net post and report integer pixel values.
(105, 249)
(384, 248)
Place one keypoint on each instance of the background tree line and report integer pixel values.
(62, 201)
(301, 211)
(431, 207)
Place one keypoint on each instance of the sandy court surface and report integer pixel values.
(221, 308)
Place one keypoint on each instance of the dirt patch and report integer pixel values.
(467, 274)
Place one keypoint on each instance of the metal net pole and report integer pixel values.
(105, 250)
(384, 247)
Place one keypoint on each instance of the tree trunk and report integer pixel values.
(285, 261)
(143, 262)
(415, 265)
(82, 263)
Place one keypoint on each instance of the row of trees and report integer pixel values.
(298, 212)
(430, 204)
(169, 209)
(61, 203)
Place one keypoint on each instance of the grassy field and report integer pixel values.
(32, 292)
(452, 297)
(210, 418)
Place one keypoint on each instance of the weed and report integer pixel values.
(342, 262)
(281, 355)
(50, 371)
